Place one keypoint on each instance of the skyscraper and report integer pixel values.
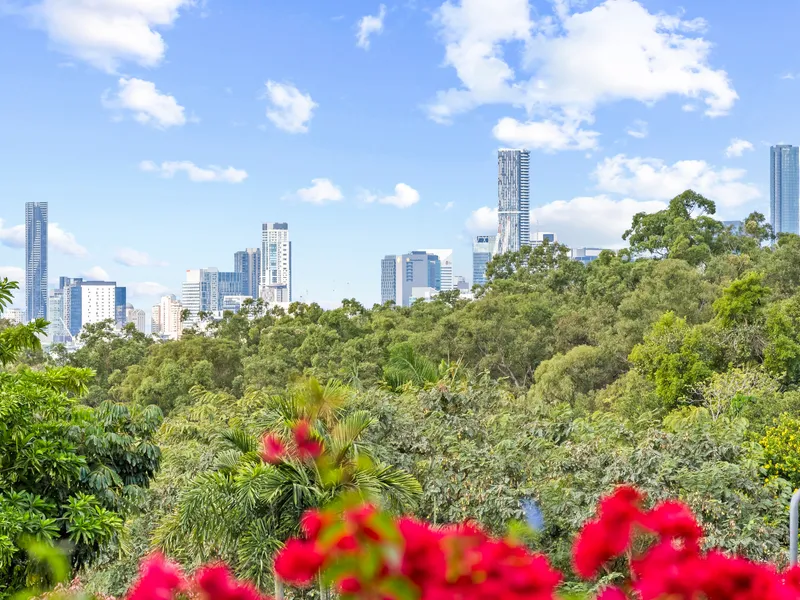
(120, 308)
(166, 319)
(483, 247)
(784, 188)
(513, 200)
(446, 265)
(417, 269)
(35, 260)
(248, 264)
(276, 263)
(389, 279)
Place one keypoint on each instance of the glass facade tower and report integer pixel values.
(784, 188)
(482, 252)
(35, 260)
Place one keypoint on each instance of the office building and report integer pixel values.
(234, 303)
(483, 247)
(784, 188)
(462, 284)
(276, 263)
(388, 279)
(35, 260)
(585, 255)
(86, 302)
(247, 263)
(15, 316)
(446, 268)
(120, 306)
(57, 330)
(136, 316)
(167, 318)
(228, 284)
(513, 200)
(401, 274)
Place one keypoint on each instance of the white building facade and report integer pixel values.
(166, 318)
(276, 263)
(98, 301)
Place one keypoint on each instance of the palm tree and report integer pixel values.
(244, 509)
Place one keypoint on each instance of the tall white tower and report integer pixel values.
(276, 263)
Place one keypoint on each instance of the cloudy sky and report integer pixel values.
(164, 132)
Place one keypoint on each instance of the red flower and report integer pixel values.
(312, 523)
(217, 583)
(307, 445)
(674, 520)
(273, 449)
(612, 593)
(349, 585)
(158, 580)
(298, 562)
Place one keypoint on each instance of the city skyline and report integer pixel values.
(372, 148)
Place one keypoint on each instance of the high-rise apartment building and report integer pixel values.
(513, 200)
(483, 247)
(35, 260)
(205, 289)
(247, 263)
(167, 318)
(446, 269)
(136, 316)
(276, 263)
(86, 302)
(784, 188)
(417, 269)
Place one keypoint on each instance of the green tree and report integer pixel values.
(244, 508)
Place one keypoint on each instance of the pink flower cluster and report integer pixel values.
(306, 445)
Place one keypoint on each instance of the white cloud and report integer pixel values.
(549, 135)
(321, 191)
(146, 288)
(637, 129)
(64, 242)
(290, 109)
(105, 33)
(788, 76)
(653, 179)
(148, 105)
(404, 197)
(211, 173)
(576, 61)
(57, 239)
(13, 237)
(482, 221)
(14, 274)
(737, 147)
(96, 274)
(597, 221)
(135, 258)
(445, 207)
(369, 25)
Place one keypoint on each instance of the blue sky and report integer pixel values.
(164, 132)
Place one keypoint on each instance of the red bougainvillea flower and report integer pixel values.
(791, 579)
(298, 562)
(668, 571)
(674, 520)
(158, 579)
(216, 583)
(273, 450)
(312, 522)
(607, 537)
(307, 445)
(734, 578)
(612, 593)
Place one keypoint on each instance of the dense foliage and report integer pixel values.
(672, 364)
